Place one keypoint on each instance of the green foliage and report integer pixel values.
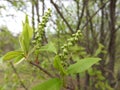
(39, 33)
(82, 65)
(49, 47)
(11, 55)
(58, 65)
(26, 36)
(99, 50)
(60, 62)
(51, 84)
(99, 79)
(70, 42)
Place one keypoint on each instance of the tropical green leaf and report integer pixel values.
(12, 55)
(58, 65)
(51, 84)
(82, 65)
(49, 47)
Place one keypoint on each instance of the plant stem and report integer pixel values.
(78, 80)
(42, 69)
(15, 71)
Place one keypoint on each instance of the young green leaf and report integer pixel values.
(58, 65)
(19, 59)
(51, 84)
(22, 44)
(82, 65)
(99, 50)
(26, 36)
(12, 55)
(49, 47)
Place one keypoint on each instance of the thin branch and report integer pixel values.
(43, 6)
(42, 69)
(95, 14)
(91, 25)
(80, 17)
(78, 8)
(118, 28)
(61, 15)
(18, 76)
(33, 16)
(37, 10)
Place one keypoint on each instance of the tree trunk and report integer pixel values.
(111, 47)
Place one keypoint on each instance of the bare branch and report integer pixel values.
(61, 15)
(33, 16)
(80, 17)
(42, 69)
(118, 28)
(18, 76)
(37, 10)
(95, 14)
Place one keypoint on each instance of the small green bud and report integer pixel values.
(65, 45)
(60, 55)
(73, 35)
(43, 17)
(39, 39)
(79, 31)
(36, 30)
(76, 39)
(71, 39)
(77, 34)
(70, 44)
(62, 47)
(68, 40)
(37, 35)
(80, 34)
(65, 51)
(49, 9)
(46, 15)
(40, 27)
(33, 41)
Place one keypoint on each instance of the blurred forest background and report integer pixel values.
(99, 21)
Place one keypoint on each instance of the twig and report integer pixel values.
(118, 28)
(18, 76)
(42, 69)
(95, 14)
(80, 17)
(61, 15)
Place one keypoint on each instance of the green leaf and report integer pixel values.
(19, 59)
(22, 44)
(82, 65)
(51, 84)
(26, 36)
(12, 55)
(49, 47)
(58, 65)
(99, 50)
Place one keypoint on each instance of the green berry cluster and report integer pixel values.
(70, 42)
(39, 33)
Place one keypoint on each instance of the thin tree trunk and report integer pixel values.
(37, 10)
(102, 35)
(112, 43)
(33, 15)
(43, 7)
